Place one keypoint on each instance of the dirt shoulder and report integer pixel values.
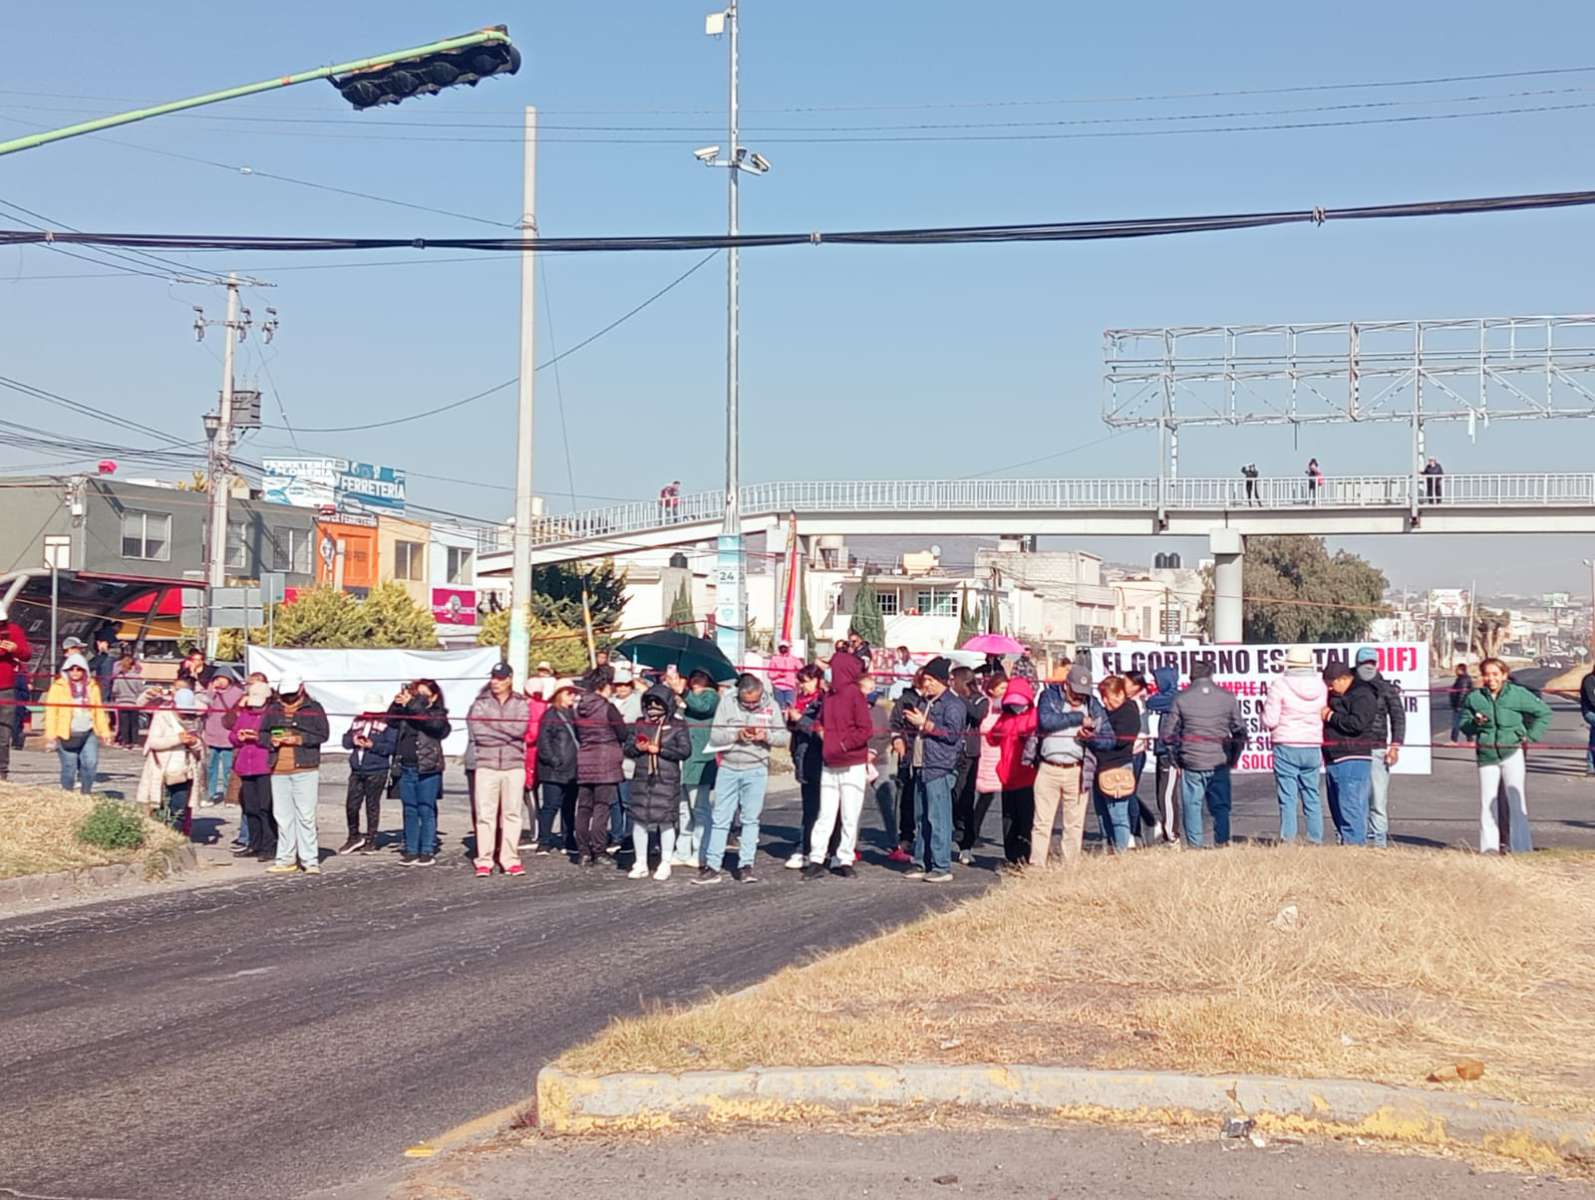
(1292, 961)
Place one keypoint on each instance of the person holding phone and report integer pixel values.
(173, 755)
(746, 726)
(76, 721)
(423, 721)
(1504, 718)
(295, 726)
(252, 761)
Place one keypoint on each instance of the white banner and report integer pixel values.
(1248, 670)
(340, 680)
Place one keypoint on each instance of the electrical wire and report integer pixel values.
(945, 235)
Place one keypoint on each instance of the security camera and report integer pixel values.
(758, 163)
(706, 154)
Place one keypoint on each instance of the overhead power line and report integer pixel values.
(945, 235)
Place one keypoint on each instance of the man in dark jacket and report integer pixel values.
(966, 820)
(423, 720)
(906, 750)
(1349, 720)
(939, 728)
(370, 740)
(600, 733)
(14, 652)
(1206, 735)
(1385, 739)
(846, 729)
(296, 726)
(556, 771)
(497, 722)
(1459, 689)
(1586, 709)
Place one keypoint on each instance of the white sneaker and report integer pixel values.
(663, 873)
(640, 871)
(1157, 832)
(1132, 842)
(795, 863)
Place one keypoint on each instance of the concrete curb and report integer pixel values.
(31, 889)
(569, 1102)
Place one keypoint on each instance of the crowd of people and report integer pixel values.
(679, 767)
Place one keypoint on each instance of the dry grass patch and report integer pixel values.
(39, 833)
(1395, 963)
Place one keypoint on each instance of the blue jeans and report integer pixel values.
(1589, 758)
(1378, 799)
(1213, 787)
(1349, 785)
(1296, 779)
(620, 814)
(218, 769)
(1113, 819)
(419, 796)
(696, 798)
(784, 697)
(734, 791)
(78, 766)
(1456, 726)
(933, 807)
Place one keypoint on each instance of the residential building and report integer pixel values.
(347, 551)
(403, 553)
(1079, 608)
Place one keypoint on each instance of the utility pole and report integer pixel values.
(521, 568)
(220, 477)
(731, 599)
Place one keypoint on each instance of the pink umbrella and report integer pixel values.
(993, 643)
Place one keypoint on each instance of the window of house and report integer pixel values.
(889, 603)
(409, 560)
(147, 535)
(237, 547)
(936, 602)
(291, 550)
(459, 564)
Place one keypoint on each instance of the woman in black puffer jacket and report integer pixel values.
(659, 745)
(423, 722)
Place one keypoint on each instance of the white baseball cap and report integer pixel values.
(290, 683)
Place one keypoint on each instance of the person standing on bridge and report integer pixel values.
(1504, 717)
(1433, 473)
(1384, 742)
(1293, 714)
(1315, 478)
(14, 653)
(670, 502)
(1249, 474)
(1207, 733)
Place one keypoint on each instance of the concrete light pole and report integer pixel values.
(731, 601)
(521, 564)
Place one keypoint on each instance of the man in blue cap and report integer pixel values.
(1386, 736)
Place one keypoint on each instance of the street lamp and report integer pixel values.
(731, 607)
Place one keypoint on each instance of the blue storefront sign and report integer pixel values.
(339, 483)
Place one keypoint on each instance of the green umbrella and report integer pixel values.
(672, 648)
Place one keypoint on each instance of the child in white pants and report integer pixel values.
(660, 744)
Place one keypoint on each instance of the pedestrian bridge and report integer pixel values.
(1338, 506)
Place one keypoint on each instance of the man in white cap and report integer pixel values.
(295, 726)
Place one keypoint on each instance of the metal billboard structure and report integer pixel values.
(1478, 370)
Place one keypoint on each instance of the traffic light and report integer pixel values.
(426, 74)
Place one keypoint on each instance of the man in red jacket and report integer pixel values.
(14, 652)
(845, 732)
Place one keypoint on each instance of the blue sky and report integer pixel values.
(857, 362)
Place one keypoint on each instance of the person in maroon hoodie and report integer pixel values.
(845, 732)
(14, 652)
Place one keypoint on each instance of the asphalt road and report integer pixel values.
(279, 1036)
(960, 1159)
(272, 1037)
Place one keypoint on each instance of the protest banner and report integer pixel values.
(1248, 671)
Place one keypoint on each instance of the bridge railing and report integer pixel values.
(1199, 494)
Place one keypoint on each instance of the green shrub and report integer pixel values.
(113, 826)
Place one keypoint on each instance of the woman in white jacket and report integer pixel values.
(173, 759)
(1293, 713)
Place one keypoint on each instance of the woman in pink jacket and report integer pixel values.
(1293, 713)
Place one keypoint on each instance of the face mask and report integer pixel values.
(1366, 671)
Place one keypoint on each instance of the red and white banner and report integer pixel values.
(1248, 671)
(454, 606)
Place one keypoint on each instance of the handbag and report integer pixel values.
(1117, 782)
(76, 742)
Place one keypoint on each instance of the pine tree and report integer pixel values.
(867, 621)
(969, 623)
(564, 648)
(682, 619)
(395, 621)
(806, 624)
